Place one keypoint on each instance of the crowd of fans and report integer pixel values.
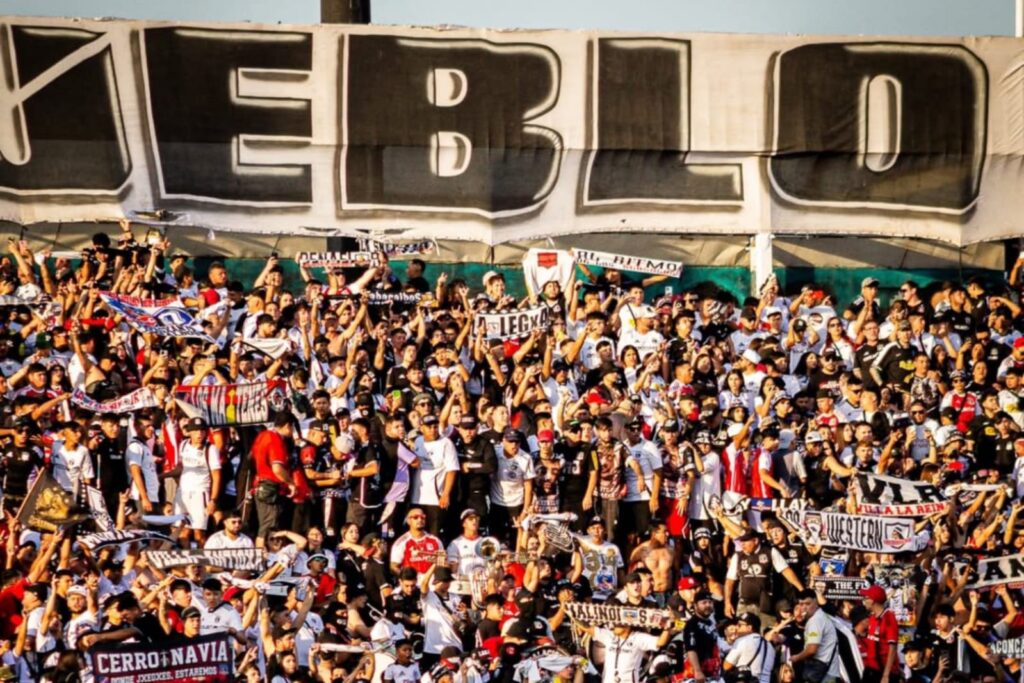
(585, 462)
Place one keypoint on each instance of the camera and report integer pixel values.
(901, 421)
(799, 326)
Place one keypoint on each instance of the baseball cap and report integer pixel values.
(442, 574)
(512, 434)
(869, 282)
(545, 435)
(468, 422)
(701, 532)
(78, 590)
(748, 535)
(813, 437)
(490, 275)
(596, 519)
(752, 356)
(190, 612)
(195, 424)
(772, 310)
(1016, 344)
(703, 595)
(344, 443)
(873, 593)
(429, 420)
(469, 512)
(687, 583)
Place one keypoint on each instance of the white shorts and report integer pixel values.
(192, 503)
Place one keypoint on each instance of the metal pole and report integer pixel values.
(345, 11)
(1019, 16)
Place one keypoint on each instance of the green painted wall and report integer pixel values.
(843, 282)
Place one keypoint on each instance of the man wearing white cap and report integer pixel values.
(494, 288)
(641, 333)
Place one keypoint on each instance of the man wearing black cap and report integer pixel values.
(643, 481)
(580, 470)
(700, 641)
(752, 569)
(445, 616)
(199, 484)
(21, 462)
(600, 561)
(433, 476)
(511, 485)
(477, 462)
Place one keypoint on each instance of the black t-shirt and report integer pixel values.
(983, 431)
(375, 573)
(19, 464)
(487, 629)
(865, 356)
(1004, 454)
(700, 636)
(420, 284)
(111, 467)
(579, 461)
(366, 491)
(960, 322)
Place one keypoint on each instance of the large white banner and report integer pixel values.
(506, 135)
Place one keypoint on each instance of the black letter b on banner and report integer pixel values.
(880, 124)
(440, 124)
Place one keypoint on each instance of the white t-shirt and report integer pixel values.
(646, 454)
(623, 657)
(645, 343)
(507, 482)
(220, 541)
(753, 652)
(437, 459)
(396, 673)
(139, 454)
(196, 465)
(601, 564)
(76, 373)
(71, 466)
(439, 623)
(220, 619)
(706, 486)
(589, 356)
(311, 629)
(462, 551)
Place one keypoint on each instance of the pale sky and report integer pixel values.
(880, 17)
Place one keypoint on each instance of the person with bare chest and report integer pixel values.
(656, 555)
